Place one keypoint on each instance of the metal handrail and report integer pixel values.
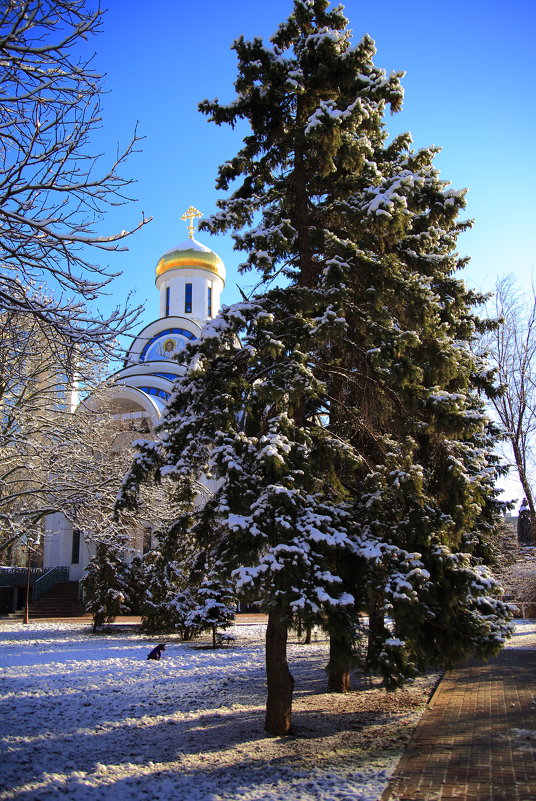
(55, 575)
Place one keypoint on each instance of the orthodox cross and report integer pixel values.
(190, 215)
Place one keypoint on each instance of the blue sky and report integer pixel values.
(469, 89)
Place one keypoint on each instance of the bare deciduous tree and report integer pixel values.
(32, 399)
(53, 189)
(511, 348)
(55, 456)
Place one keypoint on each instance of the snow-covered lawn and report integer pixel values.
(89, 718)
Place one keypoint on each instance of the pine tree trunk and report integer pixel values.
(214, 637)
(301, 217)
(340, 656)
(279, 679)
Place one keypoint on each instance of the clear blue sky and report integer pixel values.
(469, 87)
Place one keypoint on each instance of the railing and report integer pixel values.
(54, 576)
(17, 576)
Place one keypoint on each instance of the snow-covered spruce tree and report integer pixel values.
(352, 449)
(315, 106)
(168, 594)
(247, 413)
(215, 606)
(105, 581)
(135, 579)
(406, 393)
(371, 227)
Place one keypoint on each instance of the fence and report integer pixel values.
(18, 576)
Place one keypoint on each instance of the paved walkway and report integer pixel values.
(477, 739)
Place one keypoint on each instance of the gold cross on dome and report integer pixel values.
(190, 215)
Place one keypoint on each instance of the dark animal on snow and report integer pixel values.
(156, 653)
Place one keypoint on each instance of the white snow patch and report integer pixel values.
(86, 717)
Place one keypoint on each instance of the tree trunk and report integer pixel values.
(340, 654)
(279, 679)
(523, 478)
(302, 214)
(214, 636)
(376, 630)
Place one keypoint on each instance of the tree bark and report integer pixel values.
(376, 629)
(339, 665)
(340, 654)
(523, 478)
(279, 679)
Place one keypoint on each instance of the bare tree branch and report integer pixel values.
(53, 191)
(511, 349)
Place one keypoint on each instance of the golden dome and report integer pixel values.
(191, 253)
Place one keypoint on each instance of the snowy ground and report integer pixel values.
(89, 718)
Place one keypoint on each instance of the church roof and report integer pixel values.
(191, 253)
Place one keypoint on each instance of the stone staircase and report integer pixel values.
(60, 601)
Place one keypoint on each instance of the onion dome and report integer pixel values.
(188, 254)
(191, 253)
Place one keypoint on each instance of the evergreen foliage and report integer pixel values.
(215, 606)
(105, 582)
(135, 578)
(168, 596)
(340, 413)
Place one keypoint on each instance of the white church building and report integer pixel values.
(190, 279)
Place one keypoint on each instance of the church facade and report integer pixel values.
(190, 279)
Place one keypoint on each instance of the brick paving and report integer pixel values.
(476, 740)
